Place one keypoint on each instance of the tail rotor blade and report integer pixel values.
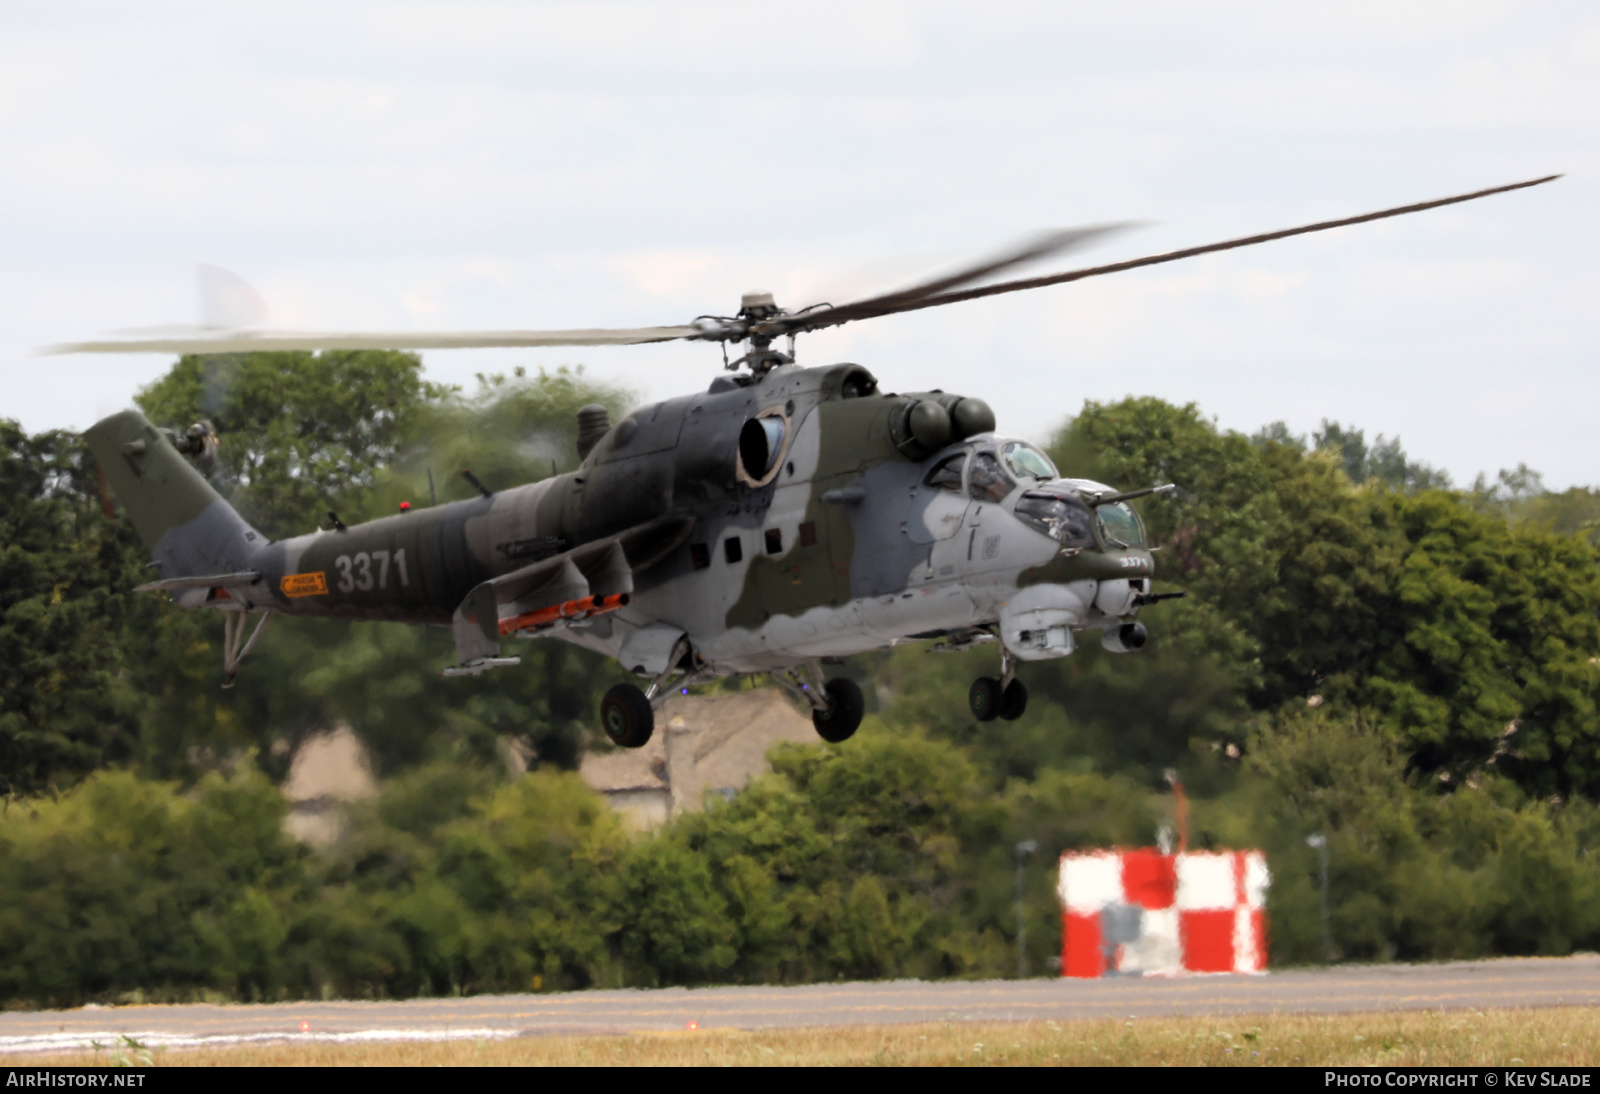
(228, 301)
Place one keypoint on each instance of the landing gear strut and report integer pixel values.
(836, 706)
(684, 662)
(629, 715)
(1006, 698)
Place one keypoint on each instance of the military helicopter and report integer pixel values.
(779, 520)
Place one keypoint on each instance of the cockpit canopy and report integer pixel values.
(1120, 526)
(1058, 514)
(1027, 462)
(989, 471)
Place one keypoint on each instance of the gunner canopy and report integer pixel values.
(1120, 526)
(1061, 516)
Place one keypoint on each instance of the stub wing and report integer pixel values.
(587, 580)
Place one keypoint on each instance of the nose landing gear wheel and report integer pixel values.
(984, 698)
(1013, 701)
(626, 715)
(845, 708)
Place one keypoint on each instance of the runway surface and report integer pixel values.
(1529, 982)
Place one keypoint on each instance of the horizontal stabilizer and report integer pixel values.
(214, 581)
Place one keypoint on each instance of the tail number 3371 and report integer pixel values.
(365, 571)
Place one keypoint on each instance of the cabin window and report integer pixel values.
(774, 541)
(988, 482)
(699, 556)
(732, 549)
(946, 474)
(808, 533)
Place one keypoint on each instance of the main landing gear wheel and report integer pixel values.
(845, 708)
(984, 698)
(1013, 701)
(627, 716)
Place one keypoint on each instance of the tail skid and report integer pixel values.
(233, 624)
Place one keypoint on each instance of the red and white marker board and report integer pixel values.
(1141, 912)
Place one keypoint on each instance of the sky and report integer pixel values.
(445, 166)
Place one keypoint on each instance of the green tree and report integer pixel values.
(1335, 558)
(676, 929)
(494, 886)
(1519, 497)
(1469, 640)
(1218, 520)
(65, 571)
(125, 886)
(844, 862)
(511, 430)
(1575, 511)
(1414, 874)
(1383, 462)
(1337, 776)
(1502, 628)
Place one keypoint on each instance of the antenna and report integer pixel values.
(473, 479)
(1182, 810)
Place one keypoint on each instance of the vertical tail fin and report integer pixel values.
(190, 530)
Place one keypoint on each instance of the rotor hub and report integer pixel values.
(758, 306)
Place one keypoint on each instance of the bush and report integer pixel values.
(124, 886)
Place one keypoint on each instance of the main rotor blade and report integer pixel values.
(258, 341)
(1035, 247)
(1173, 256)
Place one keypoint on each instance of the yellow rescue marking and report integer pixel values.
(315, 584)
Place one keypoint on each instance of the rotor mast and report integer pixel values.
(759, 322)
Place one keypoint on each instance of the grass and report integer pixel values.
(1552, 1036)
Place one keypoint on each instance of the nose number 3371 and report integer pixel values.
(357, 572)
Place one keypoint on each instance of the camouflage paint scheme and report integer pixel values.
(838, 546)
